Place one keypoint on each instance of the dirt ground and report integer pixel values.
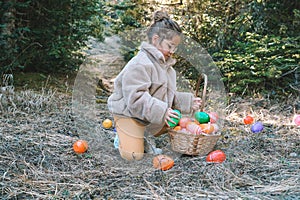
(37, 161)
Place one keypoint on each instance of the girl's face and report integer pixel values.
(166, 46)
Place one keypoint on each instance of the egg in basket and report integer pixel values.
(198, 134)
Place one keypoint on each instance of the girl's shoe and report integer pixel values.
(150, 146)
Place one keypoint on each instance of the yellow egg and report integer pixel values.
(107, 123)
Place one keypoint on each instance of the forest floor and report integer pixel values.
(43, 120)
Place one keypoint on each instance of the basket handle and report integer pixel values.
(204, 90)
(195, 141)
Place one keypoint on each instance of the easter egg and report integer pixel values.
(80, 146)
(207, 128)
(176, 120)
(213, 117)
(193, 128)
(248, 120)
(202, 117)
(107, 123)
(163, 162)
(194, 121)
(183, 121)
(257, 127)
(216, 127)
(177, 128)
(216, 156)
(297, 120)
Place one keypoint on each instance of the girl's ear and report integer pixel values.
(155, 39)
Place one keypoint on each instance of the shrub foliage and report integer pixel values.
(45, 35)
(254, 43)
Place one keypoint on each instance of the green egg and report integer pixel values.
(172, 125)
(202, 117)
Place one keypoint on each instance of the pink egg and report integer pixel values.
(297, 120)
(213, 117)
(193, 128)
(183, 121)
(216, 128)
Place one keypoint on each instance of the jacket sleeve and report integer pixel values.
(183, 101)
(140, 104)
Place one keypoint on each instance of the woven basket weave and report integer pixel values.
(192, 144)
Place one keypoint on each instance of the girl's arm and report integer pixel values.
(183, 101)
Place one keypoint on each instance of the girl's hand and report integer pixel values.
(196, 103)
(169, 114)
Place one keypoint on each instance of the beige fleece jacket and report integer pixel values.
(146, 88)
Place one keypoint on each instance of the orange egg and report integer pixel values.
(216, 156)
(207, 128)
(177, 128)
(80, 146)
(163, 162)
(248, 120)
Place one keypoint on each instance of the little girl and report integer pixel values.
(145, 90)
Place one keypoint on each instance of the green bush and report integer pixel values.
(260, 63)
(255, 43)
(46, 35)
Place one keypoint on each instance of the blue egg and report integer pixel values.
(257, 127)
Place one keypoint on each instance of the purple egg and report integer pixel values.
(257, 127)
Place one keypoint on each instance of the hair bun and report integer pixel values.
(160, 15)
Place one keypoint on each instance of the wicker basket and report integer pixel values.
(192, 144)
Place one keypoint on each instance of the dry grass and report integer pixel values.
(37, 160)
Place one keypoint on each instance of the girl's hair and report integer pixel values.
(163, 26)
